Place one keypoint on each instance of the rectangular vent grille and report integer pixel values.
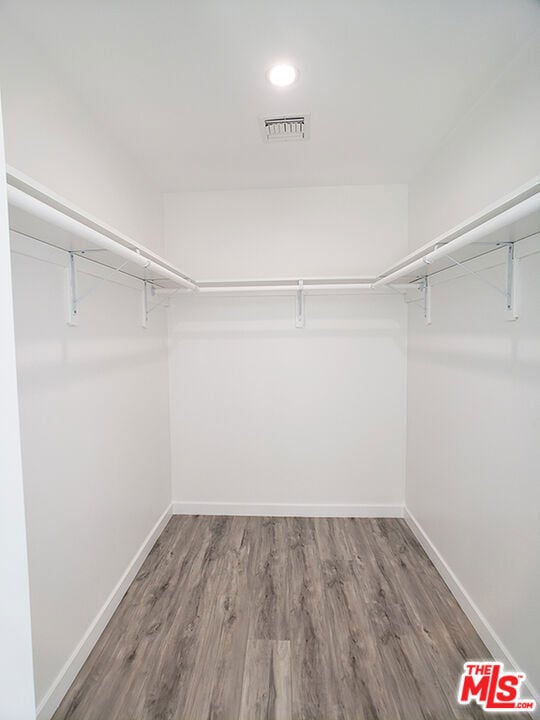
(294, 127)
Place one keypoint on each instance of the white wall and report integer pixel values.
(473, 450)
(491, 152)
(289, 232)
(474, 379)
(93, 399)
(53, 138)
(16, 672)
(261, 412)
(94, 419)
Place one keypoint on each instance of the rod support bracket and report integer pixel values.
(425, 287)
(145, 305)
(300, 311)
(511, 283)
(72, 295)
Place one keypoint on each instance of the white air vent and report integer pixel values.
(293, 127)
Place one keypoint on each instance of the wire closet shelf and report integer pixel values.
(39, 214)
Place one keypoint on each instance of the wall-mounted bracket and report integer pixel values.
(425, 288)
(72, 296)
(511, 282)
(510, 292)
(73, 299)
(300, 313)
(145, 304)
(152, 291)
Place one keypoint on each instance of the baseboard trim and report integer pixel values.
(53, 697)
(488, 635)
(286, 509)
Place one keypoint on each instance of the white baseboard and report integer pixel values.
(286, 510)
(488, 635)
(68, 673)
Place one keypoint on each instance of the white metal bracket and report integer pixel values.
(425, 287)
(300, 313)
(510, 292)
(511, 282)
(72, 298)
(145, 305)
(149, 290)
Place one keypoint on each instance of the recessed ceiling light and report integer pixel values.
(282, 75)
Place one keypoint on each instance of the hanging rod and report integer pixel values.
(26, 202)
(25, 194)
(290, 287)
(90, 259)
(522, 204)
(22, 194)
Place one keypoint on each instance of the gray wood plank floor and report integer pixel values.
(281, 618)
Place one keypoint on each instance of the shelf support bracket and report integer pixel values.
(425, 287)
(300, 314)
(145, 308)
(511, 282)
(165, 301)
(72, 298)
(510, 292)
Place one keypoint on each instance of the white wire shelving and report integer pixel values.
(39, 214)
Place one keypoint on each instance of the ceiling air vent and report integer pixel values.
(293, 127)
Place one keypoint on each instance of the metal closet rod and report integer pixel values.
(292, 287)
(36, 207)
(508, 211)
(526, 203)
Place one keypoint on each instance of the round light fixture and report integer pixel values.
(282, 75)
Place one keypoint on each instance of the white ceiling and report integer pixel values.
(181, 83)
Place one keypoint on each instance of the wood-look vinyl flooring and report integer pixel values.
(252, 618)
